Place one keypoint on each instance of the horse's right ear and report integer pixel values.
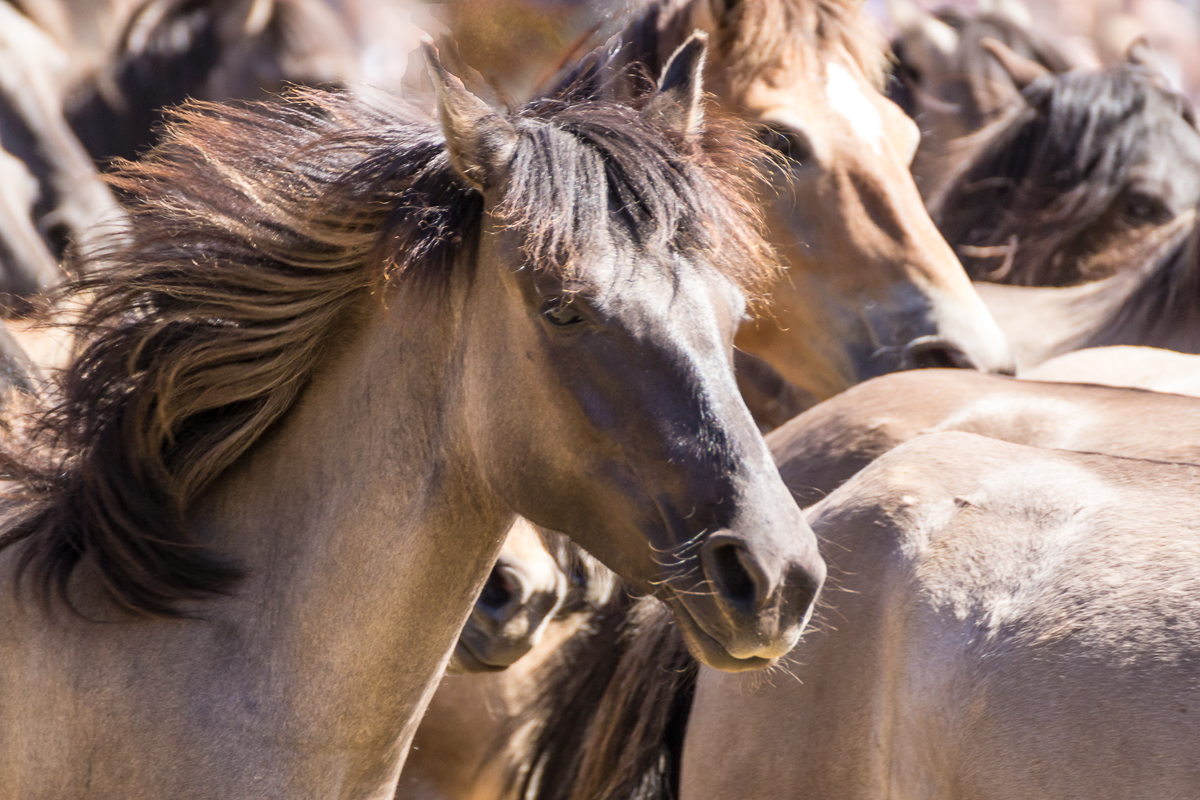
(1023, 71)
(679, 101)
(481, 143)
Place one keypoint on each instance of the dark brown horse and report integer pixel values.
(342, 347)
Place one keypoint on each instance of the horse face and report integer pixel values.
(872, 286)
(605, 407)
(600, 396)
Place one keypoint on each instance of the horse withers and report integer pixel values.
(341, 347)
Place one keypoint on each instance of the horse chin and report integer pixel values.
(706, 649)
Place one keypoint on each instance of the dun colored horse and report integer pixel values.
(340, 350)
(627, 739)
(1153, 304)
(1008, 622)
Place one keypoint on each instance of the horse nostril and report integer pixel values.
(926, 353)
(727, 567)
(498, 591)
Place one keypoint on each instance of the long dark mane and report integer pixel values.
(255, 234)
(1024, 206)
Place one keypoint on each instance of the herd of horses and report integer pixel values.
(759, 410)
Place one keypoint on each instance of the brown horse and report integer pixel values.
(951, 82)
(871, 286)
(1125, 365)
(342, 347)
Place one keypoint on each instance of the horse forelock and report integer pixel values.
(255, 232)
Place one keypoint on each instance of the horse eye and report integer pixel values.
(788, 142)
(562, 315)
(1144, 208)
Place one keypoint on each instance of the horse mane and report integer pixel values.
(255, 232)
(611, 712)
(766, 33)
(1032, 182)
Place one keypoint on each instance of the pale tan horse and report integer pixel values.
(628, 740)
(1003, 623)
(283, 478)
(872, 286)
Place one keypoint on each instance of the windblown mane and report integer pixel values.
(1032, 183)
(255, 232)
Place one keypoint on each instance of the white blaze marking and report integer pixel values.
(849, 101)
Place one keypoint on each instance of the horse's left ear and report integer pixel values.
(480, 142)
(679, 101)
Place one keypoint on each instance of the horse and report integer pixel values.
(1007, 622)
(50, 194)
(341, 347)
(625, 739)
(523, 594)
(824, 447)
(468, 745)
(1081, 170)
(949, 81)
(871, 285)
(1151, 305)
(172, 50)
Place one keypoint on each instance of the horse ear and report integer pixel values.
(1023, 71)
(679, 102)
(480, 142)
(913, 20)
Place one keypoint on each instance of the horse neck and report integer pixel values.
(366, 535)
